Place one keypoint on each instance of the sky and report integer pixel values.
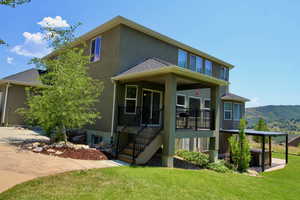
(261, 38)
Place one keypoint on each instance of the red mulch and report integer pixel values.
(81, 154)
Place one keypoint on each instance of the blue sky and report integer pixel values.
(261, 38)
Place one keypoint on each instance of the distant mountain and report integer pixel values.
(279, 118)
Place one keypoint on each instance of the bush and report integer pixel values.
(219, 167)
(196, 158)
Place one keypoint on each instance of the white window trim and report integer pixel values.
(179, 105)
(136, 96)
(100, 37)
(239, 113)
(228, 111)
(206, 99)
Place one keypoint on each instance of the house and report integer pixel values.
(157, 91)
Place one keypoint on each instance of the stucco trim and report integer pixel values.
(172, 70)
(19, 83)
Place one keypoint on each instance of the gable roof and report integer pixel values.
(234, 97)
(28, 77)
(121, 20)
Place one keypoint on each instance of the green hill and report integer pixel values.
(279, 118)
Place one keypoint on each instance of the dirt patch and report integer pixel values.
(82, 154)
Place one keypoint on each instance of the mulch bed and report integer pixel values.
(81, 154)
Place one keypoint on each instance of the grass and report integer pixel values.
(278, 148)
(161, 183)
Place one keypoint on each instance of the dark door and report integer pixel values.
(151, 107)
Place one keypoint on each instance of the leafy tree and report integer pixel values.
(68, 97)
(240, 149)
(13, 3)
(260, 126)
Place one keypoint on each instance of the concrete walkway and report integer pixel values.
(17, 165)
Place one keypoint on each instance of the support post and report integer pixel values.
(215, 106)
(263, 154)
(169, 121)
(5, 105)
(286, 149)
(270, 151)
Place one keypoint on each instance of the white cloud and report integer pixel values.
(57, 22)
(254, 102)
(33, 46)
(9, 60)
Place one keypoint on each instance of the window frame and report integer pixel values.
(179, 105)
(206, 99)
(100, 46)
(186, 57)
(211, 70)
(225, 73)
(240, 113)
(128, 98)
(231, 111)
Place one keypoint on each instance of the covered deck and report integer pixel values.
(176, 123)
(264, 135)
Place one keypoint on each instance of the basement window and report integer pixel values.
(130, 99)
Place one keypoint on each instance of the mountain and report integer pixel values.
(278, 118)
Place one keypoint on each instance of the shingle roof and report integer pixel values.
(30, 76)
(234, 97)
(147, 65)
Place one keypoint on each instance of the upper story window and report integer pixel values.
(193, 62)
(95, 49)
(224, 73)
(237, 111)
(227, 111)
(130, 99)
(199, 64)
(180, 101)
(208, 67)
(182, 58)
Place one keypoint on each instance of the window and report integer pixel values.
(237, 111)
(224, 73)
(193, 62)
(206, 104)
(130, 99)
(180, 101)
(95, 49)
(208, 67)
(227, 111)
(199, 64)
(182, 58)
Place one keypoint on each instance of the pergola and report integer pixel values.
(264, 134)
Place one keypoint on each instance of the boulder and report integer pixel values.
(38, 149)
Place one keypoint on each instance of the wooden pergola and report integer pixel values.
(263, 135)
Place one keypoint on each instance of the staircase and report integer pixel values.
(143, 146)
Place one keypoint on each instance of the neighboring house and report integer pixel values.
(157, 90)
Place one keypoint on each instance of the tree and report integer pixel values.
(68, 97)
(260, 126)
(11, 3)
(240, 149)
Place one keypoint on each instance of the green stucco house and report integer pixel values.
(159, 93)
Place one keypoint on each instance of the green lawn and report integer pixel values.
(161, 183)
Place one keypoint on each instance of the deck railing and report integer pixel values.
(196, 119)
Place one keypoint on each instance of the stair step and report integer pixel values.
(130, 145)
(129, 151)
(125, 158)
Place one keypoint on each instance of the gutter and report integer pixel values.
(5, 104)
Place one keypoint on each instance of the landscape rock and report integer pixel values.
(51, 151)
(35, 144)
(58, 152)
(38, 149)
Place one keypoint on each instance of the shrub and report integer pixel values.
(219, 167)
(240, 149)
(196, 158)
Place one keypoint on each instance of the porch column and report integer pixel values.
(169, 121)
(215, 106)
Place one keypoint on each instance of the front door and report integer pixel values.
(151, 107)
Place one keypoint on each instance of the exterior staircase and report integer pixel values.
(142, 147)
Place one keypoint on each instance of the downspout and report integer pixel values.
(5, 104)
(113, 109)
